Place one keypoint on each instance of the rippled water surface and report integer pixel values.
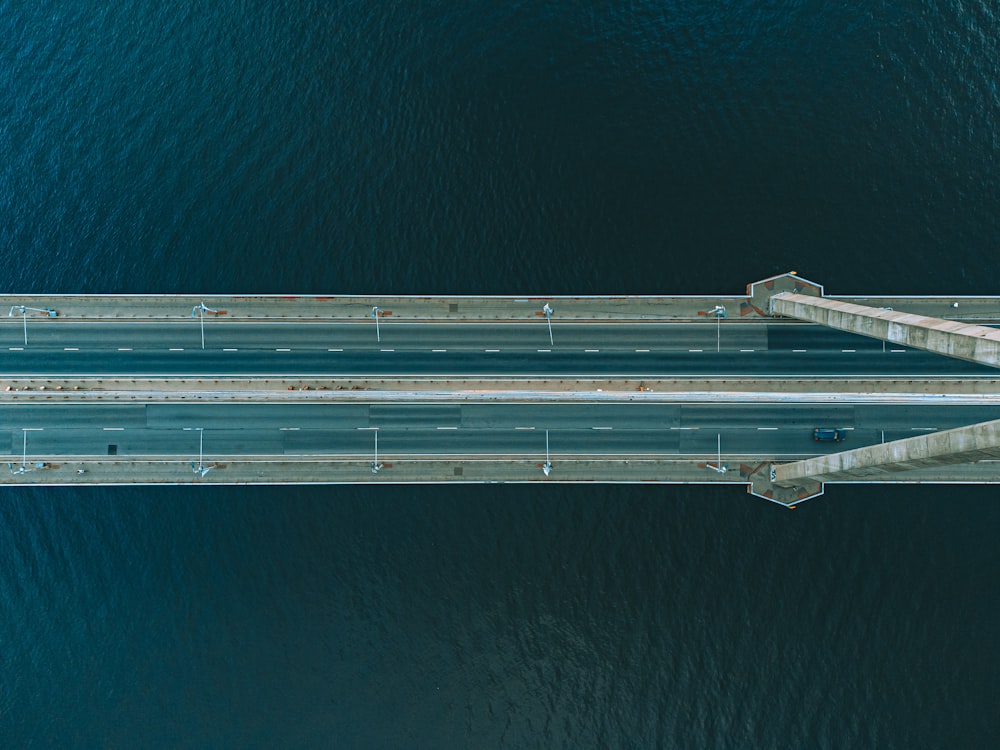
(498, 147)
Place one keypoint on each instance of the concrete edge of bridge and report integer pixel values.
(317, 469)
(241, 470)
(419, 309)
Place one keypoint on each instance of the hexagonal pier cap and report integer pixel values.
(762, 485)
(759, 292)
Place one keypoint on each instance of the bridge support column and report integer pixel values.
(973, 343)
(960, 445)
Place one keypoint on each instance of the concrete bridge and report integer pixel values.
(342, 389)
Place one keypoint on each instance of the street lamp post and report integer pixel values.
(378, 336)
(201, 469)
(719, 312)
(719, 467)
(375, 465)
(548, 319)
(24, 315)
(547, 466)
(23, 468)
(200, 308)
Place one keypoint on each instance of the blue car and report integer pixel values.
(829, 434)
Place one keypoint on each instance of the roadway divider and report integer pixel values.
(769, 390)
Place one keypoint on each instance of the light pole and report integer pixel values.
(376, 466)
(24, 316)
(719, 467)
(23, 468)
(378, 336)
(548, 319)
(200, 469)
(547, 466)
(200, 308)
(719, 312)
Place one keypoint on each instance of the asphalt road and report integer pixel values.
(68, 348)
(453, 429)
(266, 335)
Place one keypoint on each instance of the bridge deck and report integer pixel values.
(705, 362)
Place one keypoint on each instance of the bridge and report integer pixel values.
(152, 389)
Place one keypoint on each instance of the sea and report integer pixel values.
(499, 147)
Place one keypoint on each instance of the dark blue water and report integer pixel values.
(498, 147)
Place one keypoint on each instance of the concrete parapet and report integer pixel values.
(973, 343)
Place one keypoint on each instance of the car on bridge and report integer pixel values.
(829, 434)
